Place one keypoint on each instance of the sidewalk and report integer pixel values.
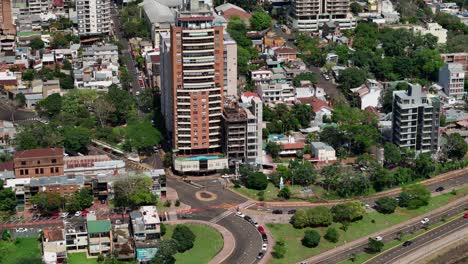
(229, 242)
(363, 240)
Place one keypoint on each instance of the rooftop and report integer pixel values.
(57, 180)
(39, 153)
(53, 234)
(98, 226)
(321, 145)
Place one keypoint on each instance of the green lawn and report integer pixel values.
(208, 242)
(24, 250)
(372, 222)
(271, 192)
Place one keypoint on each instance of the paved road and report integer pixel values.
(248, 240)
(393, 255)
(6, 113)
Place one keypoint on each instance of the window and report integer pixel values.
(23, 162)
(54, 160)
(26, 172)
(56, 169)
(42, 170)
(38, 162)
(37, 171)
(51, 170)
(21, 172)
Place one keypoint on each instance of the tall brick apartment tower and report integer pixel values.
(197, 60)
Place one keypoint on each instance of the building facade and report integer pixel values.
(460, 57)
(452, 80)
(416, 119)
(309, 15)
(94, 17)
(36, 163)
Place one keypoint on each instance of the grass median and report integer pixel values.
(208, 242)
(371, 223)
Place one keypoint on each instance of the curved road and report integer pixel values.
(6, 113)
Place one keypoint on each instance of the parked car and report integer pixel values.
(261, 229)
(255, 223)
(260, 255)
(64, 214)
(425, 220)
(277, 211)
(240, 214)
(36, 216)
(248, 218)
(102, 201)
(378, 238)
(55, 215)
(264, 247)
(78, 213)
(21, 229)
(439, 189)
(326, 76)
(292, 211)
(264, 238)
(407, 243)
(465, 215)
(84, 212)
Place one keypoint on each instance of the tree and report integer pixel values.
(184, 237)
(455, 148)
(424, 165)
(332, 235)
(80, 200)
(319, 216)
(348, 212)
(300, 219)
(47, 202)
(163, 229)
(59, 40)
(6, 235)
(273, 148)
(302, 173)
(20, 100)
(386, 205)
(76, 139)
(38, 135)
(256, 181)
(260, 21)
(122, 102)
(36, 44)
(66, 82)
(141, 135)
(374, 245)
(305, 76)
(103, 109)
(355, 8)
(133, 191)
(279, 249)
(28, 75)
(51, 106)
(414, 196)
(166, 251)
(392, 154)
(8, 198)
(351, 78)
(285, 193)
(303, 113)
(311, 238)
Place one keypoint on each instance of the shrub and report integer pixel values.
(375, 246)
(177, 203)
(319, 216)
(300, 219)
(257, 181)
(167, 203)
(184, 238)
(348, 212)
(332, 235)
(311, 238)
(386, 205)
(279, 249)
(163, 229)
(285, 193)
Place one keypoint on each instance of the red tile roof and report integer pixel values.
(315, 103)
(236, 12)
(7, 166)
(289, 146)
(34, 153)
(285, 50)
(250, 94)
(53, 234)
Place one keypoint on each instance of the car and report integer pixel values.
(425, 220)
(261, 229)
(247, 218)
(292, 211)
(240, 214)
(264, 238)
(277, 211)
(378, 238)
(36, 217)
(102, 201)
(118, 222)
(407, 243)
(326, 76)
(64, 214)
(55, 215)
(465, 215)
(137, 93)
(264, 247)
(78, 213)
(439, 189)
(260, 255)
(255, 224)
(21, 229)
(84, 212)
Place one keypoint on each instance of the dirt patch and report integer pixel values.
(206, 196)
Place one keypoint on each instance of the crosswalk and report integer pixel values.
(246, 204)
(220, 217)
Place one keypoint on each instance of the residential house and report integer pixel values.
(54, 249)
(319, 107)
(99, 236)
(322, 152)
(285, 53)
(227, 10)
(146, 230)
(452, 80)
(368, 93)
(76, 235)
(271, 40)
(7, 133)
(39, 163)
(461, 58)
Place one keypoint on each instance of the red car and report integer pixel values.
(55, 215)
(465, 215)
(261, 229)
(84, 212)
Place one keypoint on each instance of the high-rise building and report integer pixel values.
(196, 89)
(309, 15)
(416, 120)
(6, 19)
(94, 17)
(452, 79)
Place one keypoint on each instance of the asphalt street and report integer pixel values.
(18, 115)
(392, 255)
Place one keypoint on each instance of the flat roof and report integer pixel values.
(98, 226)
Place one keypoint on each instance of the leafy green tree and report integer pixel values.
(28, 75)
(279, 249)
(392, 154)
(455, 148)
(302, 173)
(36, 44)
(256, 181)
(273, 148)
(382, 178)
(305, 76)
(6, 235)
(47, 202)
(184, 237)
(348, 212)
(80, 200)
(303, 113)
(375, 245)
(429, 62)
(386, 205)
(59, 41)
(20, 100)
(424, 166)
(141, 135)
(133, 191)
(332, 235)
(300, 219)
(355, 8)
(122, 101)
(285, 193)
(38, 135)
(51, 106)
(414, 196)
(319, 216)
(260, 21)
(66, 82)
(311, 238)
(8, 198)
(166, 251)
(76, 139)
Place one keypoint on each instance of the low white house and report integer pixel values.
(322, 152)
(369, 93)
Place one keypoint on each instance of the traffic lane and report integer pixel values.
(393, 235)
(18, 114)
(248, 240)
(439, 233)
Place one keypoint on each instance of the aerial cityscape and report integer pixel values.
(233, 131)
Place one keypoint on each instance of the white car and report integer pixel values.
(378, 238)
(425, 220)
(240, 214)
(326, 77)
(21, 229)
(256, 224)
(264, 247)
(78, 213)
(64, 215)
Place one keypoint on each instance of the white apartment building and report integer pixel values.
(433, 29)
(276, 92)
(310, 15)
(230, 66)
(452, 79)
(94, 17)
(254, 132)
